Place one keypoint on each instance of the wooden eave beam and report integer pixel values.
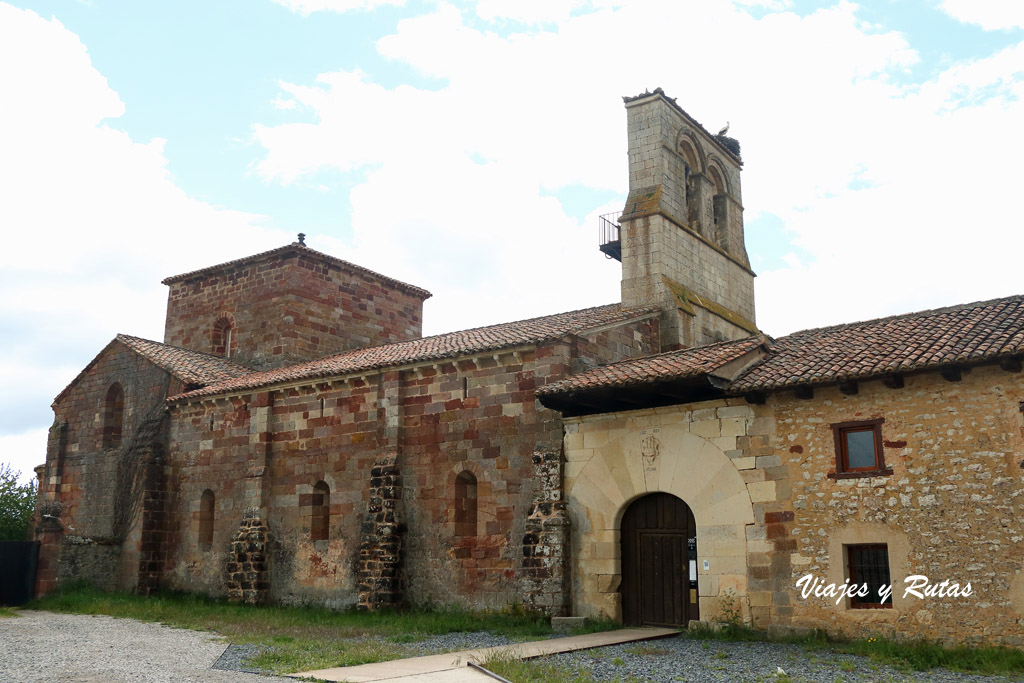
(805, 393)
(951, 373)
(1010, 364)
(848, 388)
(893, 381)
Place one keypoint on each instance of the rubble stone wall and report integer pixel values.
(953, 508)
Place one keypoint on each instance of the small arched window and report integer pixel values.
(222, 337)
(320, 512)
(206, 502)
(718, 206)
(465, 504)
(691, 168)
(113, 416)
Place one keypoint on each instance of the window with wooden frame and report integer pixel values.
(859, 449)
(869, 565)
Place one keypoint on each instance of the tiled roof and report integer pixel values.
(299, 249)
(450, 345)
(191, 367)
(970, 333)
(966, 334)
(661, 367)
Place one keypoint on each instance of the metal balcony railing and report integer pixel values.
(609, 237)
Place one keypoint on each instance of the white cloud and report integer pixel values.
(991, 15)
(528, 11)
(307, 7)
(93, 220)
(23, 452)
(817, 101)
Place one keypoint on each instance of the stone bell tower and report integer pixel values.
(681, 230)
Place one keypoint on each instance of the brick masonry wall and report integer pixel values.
(290, 308)
(80, 478)
(952, 509)
(477, 414)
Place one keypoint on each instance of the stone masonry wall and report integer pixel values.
(952, 509)
(290, 308)
(546, 561)
(477, 414)
(669, 227)
(91, 486)
(379, 567)
(717, 457)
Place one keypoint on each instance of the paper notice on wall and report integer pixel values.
(693, 567)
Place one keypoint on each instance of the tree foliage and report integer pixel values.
(17, 503)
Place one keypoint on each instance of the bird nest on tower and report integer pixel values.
(731, 144)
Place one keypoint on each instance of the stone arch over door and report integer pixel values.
(619, 465)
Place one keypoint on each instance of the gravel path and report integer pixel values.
(46, 646)
(681, 659)
(70, 648)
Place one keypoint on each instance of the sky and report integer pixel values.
(468, 148)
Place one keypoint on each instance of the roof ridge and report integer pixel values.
(898, 316)
(446, 345)
(122, 336)
(301, 248)
(467, 330)
(687, 349)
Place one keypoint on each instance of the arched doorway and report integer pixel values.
(659, 562)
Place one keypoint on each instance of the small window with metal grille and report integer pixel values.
(869, 565)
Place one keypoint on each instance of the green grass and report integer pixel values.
(6, 612)
(541, 671)
(300, 638)
(921, 655)
(903, 655)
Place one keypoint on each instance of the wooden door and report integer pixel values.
(658, 544)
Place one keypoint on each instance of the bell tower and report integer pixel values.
(681, 230)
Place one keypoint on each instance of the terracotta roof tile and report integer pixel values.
(969, 333)
(299, 249)
(661, 367)
(450, 345)
(191, 367)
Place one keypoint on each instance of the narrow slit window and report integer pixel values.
(465, 504)
(320, 512)
(222, 337)
(113, 416)
(206, 514)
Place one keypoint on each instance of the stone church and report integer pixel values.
(294, 439)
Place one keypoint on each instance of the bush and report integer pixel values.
(17, 503)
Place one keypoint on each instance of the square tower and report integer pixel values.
(289, 305)
(681, 233)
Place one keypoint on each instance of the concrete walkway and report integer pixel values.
(452, 666)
